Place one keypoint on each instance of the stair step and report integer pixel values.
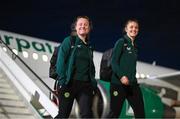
(14, 110)
(12, 103)
(1, 75)
(9, 97)
(2, 80)
(4, 85)
(15, 116)
(7, 90)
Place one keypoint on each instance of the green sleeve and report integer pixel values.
(117, 51)
(62, 57)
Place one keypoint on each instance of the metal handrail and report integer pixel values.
(14, 56)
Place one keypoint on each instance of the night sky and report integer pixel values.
(51, 19)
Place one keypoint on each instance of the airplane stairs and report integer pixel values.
(12, 104)
(23, 94)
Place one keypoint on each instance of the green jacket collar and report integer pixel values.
(128, 40)
(80, 41)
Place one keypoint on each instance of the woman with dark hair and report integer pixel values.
(123, 82)
(75, 69)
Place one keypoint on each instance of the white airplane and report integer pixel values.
(160, 85)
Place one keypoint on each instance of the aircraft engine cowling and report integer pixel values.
(101, 103)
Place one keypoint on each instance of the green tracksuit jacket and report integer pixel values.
(124, 60)
(66, 59)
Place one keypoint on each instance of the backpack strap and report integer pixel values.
(124, 47)
(72, 41)
(52, 69)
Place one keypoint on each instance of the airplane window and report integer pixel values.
(137, 75)
(4, 49)
(35, 56)
(15, 51)
(147, 76)
(25, 54)
(45, 58)
(142, 76)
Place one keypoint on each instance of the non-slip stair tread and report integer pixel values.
(15, 116)
(9, 97)
(12, 103)
(14, 110)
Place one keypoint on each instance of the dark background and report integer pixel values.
(159, 23)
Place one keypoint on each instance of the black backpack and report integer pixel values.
(52, 68)
(105, 66)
